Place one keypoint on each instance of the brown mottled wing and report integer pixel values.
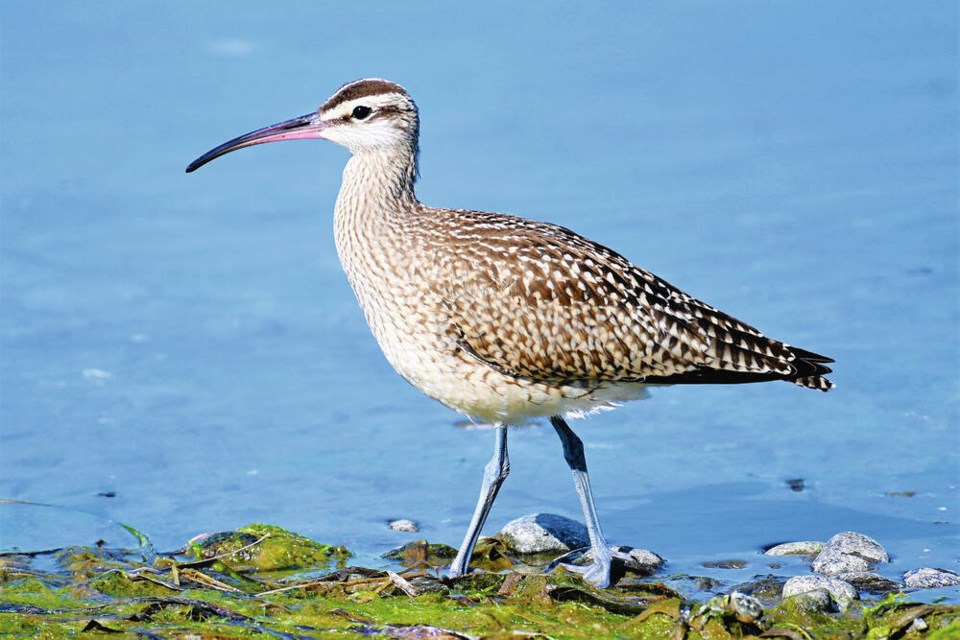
(550, 305)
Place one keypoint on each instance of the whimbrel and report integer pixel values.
(503, 318)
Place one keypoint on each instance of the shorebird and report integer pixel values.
(503, 318)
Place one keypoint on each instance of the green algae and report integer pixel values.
(264, 547)
(263, 582)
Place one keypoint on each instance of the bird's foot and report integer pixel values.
(596, 572)
(455, 572)
(610, 566)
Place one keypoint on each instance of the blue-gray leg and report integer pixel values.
(597, 574)
(494, 474)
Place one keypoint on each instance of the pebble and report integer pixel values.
(930, 578)
(849, 552)
(802, 548)
(544, 533)
(842, 592)
(407, 526)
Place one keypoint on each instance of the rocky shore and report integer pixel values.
(263, 582)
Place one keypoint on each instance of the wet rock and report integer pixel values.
(849, 552)
(802, 548)
(420, 552)
(725, 564)
(701, 584)
(543, 533)
(404, 525)
(743, 608)
(815, 601)
(930, 578)
(842, 592)
(871, 582)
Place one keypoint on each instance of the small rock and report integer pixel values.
(802, 548)
(867, 581)
(543, 533)
(849, 552)
(930, 578)
(842, 592)
(745, 608)
(769, 587)
(639, 560)
(404, 525)
(634, 560)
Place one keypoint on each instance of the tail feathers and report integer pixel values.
(801, 367)
(813, 364)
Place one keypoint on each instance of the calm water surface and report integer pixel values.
(190, 345)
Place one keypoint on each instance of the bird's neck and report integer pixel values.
(380, 180)
(375, 209)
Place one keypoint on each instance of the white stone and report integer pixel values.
(802, 548)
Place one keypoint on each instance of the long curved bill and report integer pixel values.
(308, 126)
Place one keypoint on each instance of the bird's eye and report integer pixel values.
(361, 112)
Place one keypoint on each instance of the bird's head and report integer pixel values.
(364, 116)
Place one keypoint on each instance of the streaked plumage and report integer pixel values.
(503, 318)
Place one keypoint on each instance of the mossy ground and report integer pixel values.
(263, 582)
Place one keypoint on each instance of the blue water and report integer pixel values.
(189, 343)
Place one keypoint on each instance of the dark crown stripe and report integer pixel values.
(362, 89)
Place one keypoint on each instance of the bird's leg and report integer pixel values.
(597, 574)
(494, 474)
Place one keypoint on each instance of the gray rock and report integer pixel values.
(930, 578)
(867, 581)
(543, 533)
(639, 560)
(803, 548)
(842, 592)
(849, 552)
